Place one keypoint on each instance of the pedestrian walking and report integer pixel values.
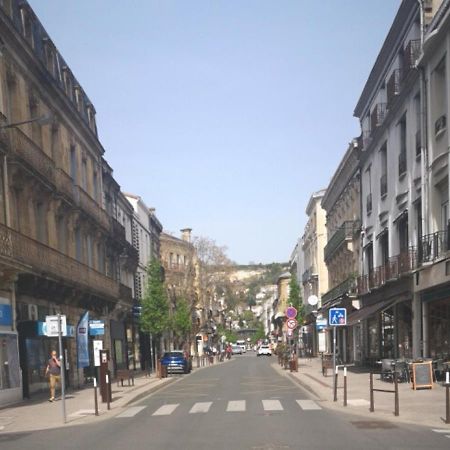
(53, 371)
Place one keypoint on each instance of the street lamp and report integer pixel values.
(42, 120)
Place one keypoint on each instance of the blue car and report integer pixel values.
(176, 362)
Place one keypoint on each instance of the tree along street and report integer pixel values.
(242, 404)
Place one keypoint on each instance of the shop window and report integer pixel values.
(439, 328)
(9, 362)
(387, 333)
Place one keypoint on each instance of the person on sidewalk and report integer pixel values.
(53, 370)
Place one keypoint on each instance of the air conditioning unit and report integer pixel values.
(32, 312)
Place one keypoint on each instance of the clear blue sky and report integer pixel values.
(225, 115)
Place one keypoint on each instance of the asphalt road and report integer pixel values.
(243, 404)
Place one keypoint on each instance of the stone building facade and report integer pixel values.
(60, 238)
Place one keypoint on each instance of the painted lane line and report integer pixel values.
(131, 412)
(308, 405)
(236, 406)
(166, 410)
(200, 407)
(272, 405)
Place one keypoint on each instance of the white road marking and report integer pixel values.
(442, 430)
(308, 405)
(235, 406)
(200, 407)
(131, 412)
(272, 405)
(358, 402)
(166, 410)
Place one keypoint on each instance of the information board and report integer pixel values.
(422, 375)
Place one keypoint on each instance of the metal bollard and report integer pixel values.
(345, 386)
(447, 397)
(335, 384)
(95, 397)
(396, 411)
(372, 406)
(108, 391)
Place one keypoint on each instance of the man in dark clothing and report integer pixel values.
(54, 370)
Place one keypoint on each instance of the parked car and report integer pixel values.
(236, 349)
(176, 361)
(264, 349)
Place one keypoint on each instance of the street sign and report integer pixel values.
(321, 324)
(96, 327)
(337, 317)
(52, 326)
(97, 346)
(292, 324)
(291, 312)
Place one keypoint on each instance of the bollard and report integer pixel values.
(396, 412)
(95, 397)
(371, 409)
(345, 386)
(447, 397)
(108, 391)
(335, 384)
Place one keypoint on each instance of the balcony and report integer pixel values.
(433, 246)
(38, 258)
(118, 231)
(396, 267)
(369, 203)
(402, 165)
(410, 56)
(377, 116)
(347, 287)
(393, 86)
(126, 293)
(344, 233)
(383, 185)
(32, 155)
(88, 204)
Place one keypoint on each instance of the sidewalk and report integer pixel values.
(39, 414)
(424, 407)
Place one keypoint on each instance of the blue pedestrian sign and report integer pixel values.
(337, 317)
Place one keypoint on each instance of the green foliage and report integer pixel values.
(230, 336)
(181, 320)
(155, 307)
(260, 334)
(295, 299)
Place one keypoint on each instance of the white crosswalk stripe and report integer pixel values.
(308, 405)
(131, 412)
(236, 406)
(166, 410)
(272, 405)
(200, 407)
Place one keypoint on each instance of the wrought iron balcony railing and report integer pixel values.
(38, 258)
(410, 56)
(393, 86)
(344, 233)
(347, 287)
(433, 246)
(377, 116)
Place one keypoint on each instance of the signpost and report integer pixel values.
(292, 324)
(291, 312)
(337, 317)
(57, 326)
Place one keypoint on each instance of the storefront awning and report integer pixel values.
(368, 311)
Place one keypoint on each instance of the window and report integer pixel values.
(89, 251)
(78, 245)
(78, 98)
(402, 161)
(50, 56)
(95, 185)
(418, 143)
(101, 257)
(41, 222)
(68, 85)
(403, 234)
(36, 127)
(6, 5)
(61, 230)
(369, 191)
(2, 197)
(84, 174)
(27, 25)
(73, 163)
(383, 167)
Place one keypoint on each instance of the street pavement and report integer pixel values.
(247, 403)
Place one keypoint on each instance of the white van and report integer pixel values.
(242, 344)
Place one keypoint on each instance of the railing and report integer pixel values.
(377, 116)
(433, 246)
(383, 185)
(410, 55)
(118, 230)
(346, 287)
(46, 260)
(393, 86)
(402, 162)
(308, 274)
(344, 232)
(369, 203)
(86, 202)
(394, 268)
(33, 155)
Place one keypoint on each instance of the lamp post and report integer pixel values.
(42, 120)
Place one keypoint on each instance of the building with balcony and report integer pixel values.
(342, 204)
(145, 235)
(59, 252)
(392, 190)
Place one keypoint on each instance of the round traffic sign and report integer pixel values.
(291, 312)
(292, 324)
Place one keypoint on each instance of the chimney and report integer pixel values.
(186, 234)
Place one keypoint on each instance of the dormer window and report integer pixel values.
(50, 56)
(91, 118)
(78, 98)
(27, 24)
(6, 5)
(68, 84)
